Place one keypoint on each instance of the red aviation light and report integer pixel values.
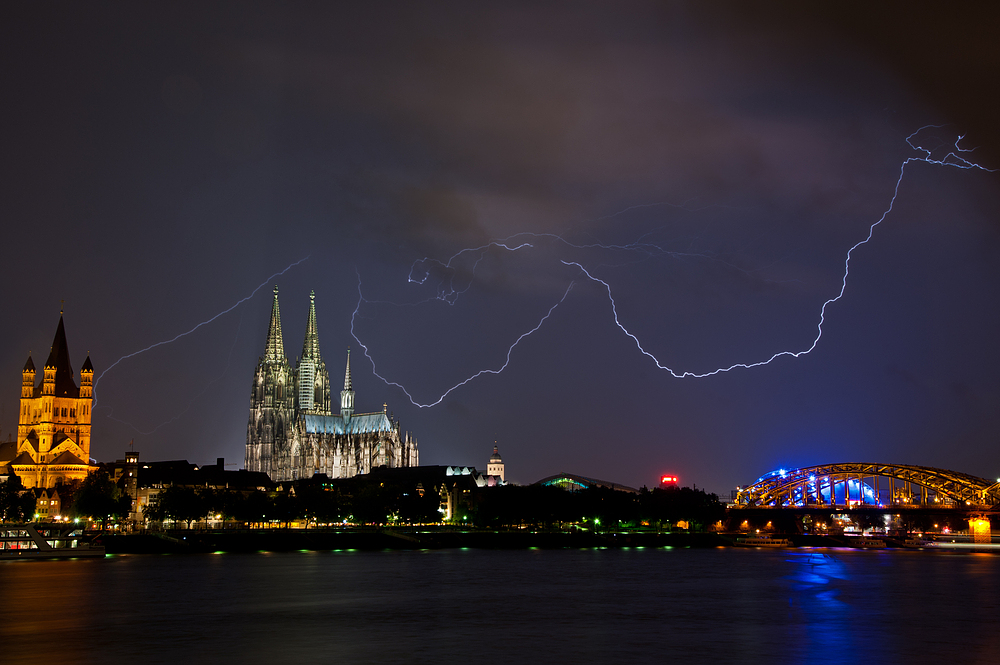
(667, 480)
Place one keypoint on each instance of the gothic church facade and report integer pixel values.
(293, 431)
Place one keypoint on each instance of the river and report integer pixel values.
(722, 605)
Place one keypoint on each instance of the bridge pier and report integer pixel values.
(981, 529)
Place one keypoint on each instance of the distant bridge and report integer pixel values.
(863, 484)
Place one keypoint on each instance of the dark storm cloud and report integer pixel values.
(498, 128)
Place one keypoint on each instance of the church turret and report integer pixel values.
(347, 394)
(87, 379)
(28, 379)
(49, 375)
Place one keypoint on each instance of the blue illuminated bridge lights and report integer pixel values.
(867, 484)
(821, 490)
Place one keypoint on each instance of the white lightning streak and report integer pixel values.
(206, 322)
(953, 158)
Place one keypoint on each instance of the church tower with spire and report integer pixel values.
(272, 400)
(293, 431)
(53, 427)
(312, 381)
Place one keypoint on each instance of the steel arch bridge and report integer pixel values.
(890, 484)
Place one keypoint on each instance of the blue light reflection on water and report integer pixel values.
(607, 605)
(814, 592)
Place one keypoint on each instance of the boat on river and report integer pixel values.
(763, 541)
(46, 540)
(868, 543)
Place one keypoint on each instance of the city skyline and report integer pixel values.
(713, 167)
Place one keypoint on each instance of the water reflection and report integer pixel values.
(725, 605)
(46, 598)
(815, 599)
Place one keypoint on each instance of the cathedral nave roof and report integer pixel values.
(358, 424)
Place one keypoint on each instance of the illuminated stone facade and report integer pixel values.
(495, 465)
(294, 433)
(53, 427)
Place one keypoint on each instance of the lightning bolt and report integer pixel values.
(446, 291)
(952, 158)
(461, 383)
(193, 399)
(203, 323)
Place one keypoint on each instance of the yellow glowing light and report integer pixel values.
(980, 528)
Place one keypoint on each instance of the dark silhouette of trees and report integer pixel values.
(376, 501)
(98, 498)
(597, 507)
(15, 505)
(677, 504)
(178, 503)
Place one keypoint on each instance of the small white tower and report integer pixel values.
(495, 465)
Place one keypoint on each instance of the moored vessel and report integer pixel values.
(46, 540)
(868, 543)
(763, 541)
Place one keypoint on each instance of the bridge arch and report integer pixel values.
(863, 483)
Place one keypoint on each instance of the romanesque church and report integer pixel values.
(53, 426)
(293, 432)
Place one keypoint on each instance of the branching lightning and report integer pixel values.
(203, 323)
(461, 383)
(448, 292)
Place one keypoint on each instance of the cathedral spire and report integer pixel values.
(347, 394)
(275, 350)
(313, 380)
(347, 375)
(310, 347)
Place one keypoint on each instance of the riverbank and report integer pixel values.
(288, 540)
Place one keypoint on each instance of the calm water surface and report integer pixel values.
(645, 605)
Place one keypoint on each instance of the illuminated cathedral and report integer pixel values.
(293, 431)
(53, 426)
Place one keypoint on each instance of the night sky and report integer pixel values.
(712, 164)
